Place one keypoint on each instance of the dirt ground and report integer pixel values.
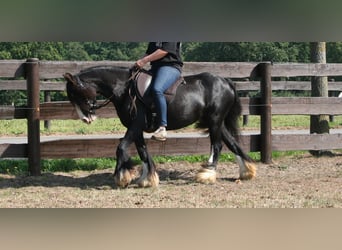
(290, 182)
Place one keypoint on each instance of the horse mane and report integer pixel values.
(113, 79)
(104, 67)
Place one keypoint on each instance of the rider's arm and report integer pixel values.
(156, 55)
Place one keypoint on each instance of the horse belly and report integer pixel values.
(178, 123)
(183, 115)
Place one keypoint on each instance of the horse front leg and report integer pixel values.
(123, 174)
(149, 176)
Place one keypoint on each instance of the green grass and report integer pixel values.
(20, 167)
(19, 127)
(288, 121)
(113, 125)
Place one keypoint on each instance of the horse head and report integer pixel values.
(82, 96)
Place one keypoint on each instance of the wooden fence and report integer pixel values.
(38, 77)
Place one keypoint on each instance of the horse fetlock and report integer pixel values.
(247, 170)
(150, 181)
(123, 178)
(206, 176)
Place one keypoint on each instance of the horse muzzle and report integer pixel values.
(87, 119)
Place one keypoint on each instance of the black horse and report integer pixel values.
(205, 99)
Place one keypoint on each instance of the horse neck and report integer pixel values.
(108, 81)
(116, 88)
(113, 83)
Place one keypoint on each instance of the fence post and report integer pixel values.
(33, 115)
(266, 114)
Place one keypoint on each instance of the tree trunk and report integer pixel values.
(319, 88)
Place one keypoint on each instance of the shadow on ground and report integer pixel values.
(85, 180)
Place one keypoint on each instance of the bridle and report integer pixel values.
(93, 104)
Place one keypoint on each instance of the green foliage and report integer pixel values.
(72, 50)
(192, 51)
(247, 52)
(13, 167)
(334, 52)
(8, 97)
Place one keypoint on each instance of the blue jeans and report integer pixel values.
(163, 78)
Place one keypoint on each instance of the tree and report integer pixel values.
(246, 52)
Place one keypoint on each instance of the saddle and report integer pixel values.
(142, 81)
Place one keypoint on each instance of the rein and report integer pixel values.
(133, 107)
(134, 73)
(105, 103)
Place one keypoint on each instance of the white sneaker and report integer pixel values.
(160, 134)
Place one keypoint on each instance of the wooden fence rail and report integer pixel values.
(41, 75)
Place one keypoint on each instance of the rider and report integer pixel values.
(166, 68)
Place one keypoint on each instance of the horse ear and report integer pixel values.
(70, 78)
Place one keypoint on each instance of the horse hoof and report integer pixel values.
(151, 181)
(206, 176)
(248, 172)
(123, 178)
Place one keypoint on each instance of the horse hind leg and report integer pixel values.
(247, 167)
(207, 174)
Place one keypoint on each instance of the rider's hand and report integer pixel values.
(141, 63)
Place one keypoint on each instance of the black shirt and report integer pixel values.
(173, 57)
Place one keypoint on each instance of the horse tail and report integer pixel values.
(231, 121)
(231, 132)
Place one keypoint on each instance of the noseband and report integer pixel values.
(93, 105)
